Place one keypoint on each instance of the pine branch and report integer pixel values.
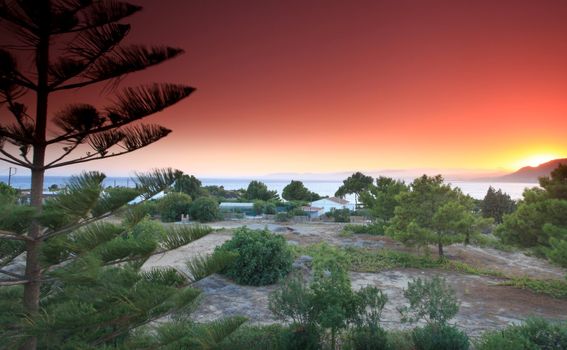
(12, 236)
(14, 160)
(131, 106)
(68, 150)
(88, 47)
(11, 12)
(90, 158)
(100, 13)
(121, 62)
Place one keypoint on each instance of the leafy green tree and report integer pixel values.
(221, 193)
(8, 194)
(296, 191)
(433, 213)
(328, 302)
(205, 209)
(496, 204)
(189, 185)
(540, 221)
(356, 183)
(173, 205)
(383, 198)
(556, 184)
(258, 190)
(84, 301)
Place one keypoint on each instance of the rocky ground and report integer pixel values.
(484, 303)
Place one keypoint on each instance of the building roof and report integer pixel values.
(236, 205)
(338, 200)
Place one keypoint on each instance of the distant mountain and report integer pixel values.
(531, 174)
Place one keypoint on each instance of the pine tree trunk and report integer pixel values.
(33, 268)
(440, 245)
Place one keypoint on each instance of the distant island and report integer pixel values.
(532, 174)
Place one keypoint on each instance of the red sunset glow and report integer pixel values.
(324, 85)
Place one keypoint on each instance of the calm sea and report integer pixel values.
(324, 188)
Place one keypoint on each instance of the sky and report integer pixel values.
(315, 86)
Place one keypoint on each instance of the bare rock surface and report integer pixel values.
(484, 304)
(178, 258)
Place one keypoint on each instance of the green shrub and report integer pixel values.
(173, 205)
(430, 300)
(535, 333)
(149, 229)
(400, 340)
(440, 337)
(272, 337)
(259, 207)
(205, 209)
(302, 338)
(270, 208)
(282, 217)
(340, 215)
(558, 251)
(263, 258)
(328, 303)
(369, 338)
(555, 288)
(371, 229)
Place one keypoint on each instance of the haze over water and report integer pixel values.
(323, 187)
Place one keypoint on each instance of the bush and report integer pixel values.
(369, 338)
(205, 209)
(263, 258)
(173, 205)
(282, 217)
(302, 338)
(400, 340)
(440, 337)
(535, 333)
(270, 208)
(272, 337)
(149, 229)
(329, 303)
(371, 229)
(340, 215)
(430, 300)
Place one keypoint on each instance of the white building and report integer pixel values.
(328, 204)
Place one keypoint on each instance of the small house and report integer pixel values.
(312, 212)
(332, 203)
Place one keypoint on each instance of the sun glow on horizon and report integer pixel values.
(535, 160)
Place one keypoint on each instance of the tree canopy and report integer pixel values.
(495, 204)
(432, 212)
(189, 185)
(354, 184)
(540, 221)
(296, 191)
(258, 190)
(383, 198)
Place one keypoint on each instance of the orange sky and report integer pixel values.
(325, 85)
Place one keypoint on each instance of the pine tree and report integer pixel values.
(82, 286)
(496, 204)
